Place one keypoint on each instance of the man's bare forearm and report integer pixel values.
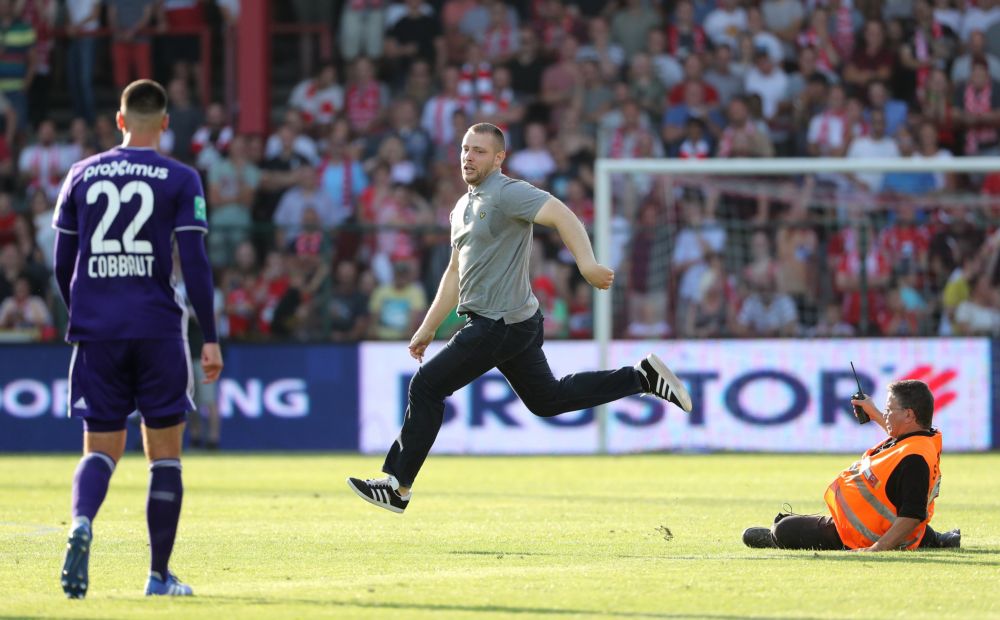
(445, 299)
(575, 237)
(901, 528)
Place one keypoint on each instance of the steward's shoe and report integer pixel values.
(171, 586)
(950, 540)
(74, 576)
(661, 381)
(381, 492)
(759, 538)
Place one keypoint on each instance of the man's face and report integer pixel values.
(479, 157)
(895, 416)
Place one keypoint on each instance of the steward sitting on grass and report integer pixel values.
(885, 500)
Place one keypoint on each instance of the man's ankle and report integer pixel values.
(403, 491)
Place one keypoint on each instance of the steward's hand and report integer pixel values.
(869, 406)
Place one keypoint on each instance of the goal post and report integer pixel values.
(605, 169)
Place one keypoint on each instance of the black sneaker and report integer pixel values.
(379, 491)
(759, 538)
(74, 578)
(950, 540)
(660, 381)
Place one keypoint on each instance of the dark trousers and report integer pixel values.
(819, 532)
(515, 350)
(80, 73)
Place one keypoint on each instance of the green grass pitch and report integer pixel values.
(645, 536)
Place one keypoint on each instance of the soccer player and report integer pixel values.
(487, 277)
(116, 218)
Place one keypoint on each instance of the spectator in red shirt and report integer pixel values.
(978, 110)
(936, 104)
(269, 288)
(847, 277)
(179, 52)
(239, 307)
(906, 241)
(896, 319)
(210, 143)
(8, 220)
(366, 98)
(817, 36)
(693, 73)
(131, 50)
(684, 36)
(873, 60)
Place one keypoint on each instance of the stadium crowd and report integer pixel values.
(334, 226)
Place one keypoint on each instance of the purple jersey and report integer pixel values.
(125, 205)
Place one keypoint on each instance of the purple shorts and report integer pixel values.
(109, 379)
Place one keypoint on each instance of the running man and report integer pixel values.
(487, 277)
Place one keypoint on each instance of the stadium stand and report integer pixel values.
(369, 103)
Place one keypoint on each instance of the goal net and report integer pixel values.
(801, 249)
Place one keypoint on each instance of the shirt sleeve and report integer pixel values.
(521, 200)
(907, 487)
(64, 217)
(192, 212)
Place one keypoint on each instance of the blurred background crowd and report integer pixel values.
(333, 225)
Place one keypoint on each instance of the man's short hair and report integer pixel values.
(144, 97)
(493, 130)
(915, 395)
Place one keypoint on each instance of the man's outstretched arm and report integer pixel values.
(556, 214)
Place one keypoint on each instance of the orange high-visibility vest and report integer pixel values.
(860, 508)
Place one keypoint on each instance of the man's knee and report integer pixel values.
(112, 444)
(424, 390)
(163, 443)
(805, 532)
(785, 533)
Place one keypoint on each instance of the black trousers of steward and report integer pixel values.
(516, 351)
(819, 532)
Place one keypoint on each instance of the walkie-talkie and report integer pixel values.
(859, 412)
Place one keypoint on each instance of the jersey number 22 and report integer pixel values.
(100, 245)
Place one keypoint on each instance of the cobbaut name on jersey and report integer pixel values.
(120, 265)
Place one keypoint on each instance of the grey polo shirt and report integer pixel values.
(491, 230)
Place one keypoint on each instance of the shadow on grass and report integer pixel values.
(23, 617)
(966, 557)
(498, 609)
(955, 558)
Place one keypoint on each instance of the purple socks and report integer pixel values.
(90, 484)
(163, 510)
